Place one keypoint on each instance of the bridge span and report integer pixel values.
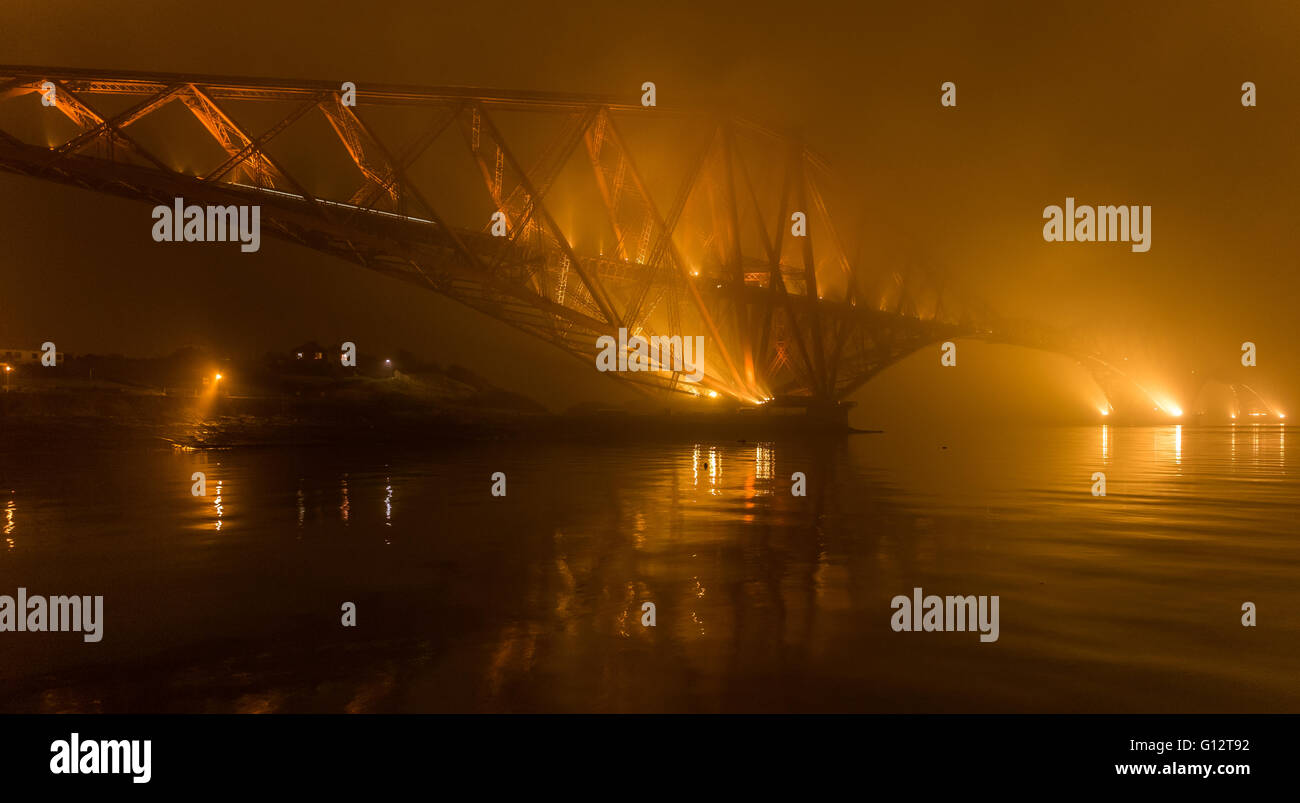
(609, 215)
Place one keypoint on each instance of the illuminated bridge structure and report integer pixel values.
(657, 221)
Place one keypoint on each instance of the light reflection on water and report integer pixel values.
(765, 601)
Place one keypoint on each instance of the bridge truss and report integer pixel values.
(653, 220)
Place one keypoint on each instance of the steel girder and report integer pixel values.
(711, 253)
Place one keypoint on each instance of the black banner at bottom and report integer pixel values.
(597, 753)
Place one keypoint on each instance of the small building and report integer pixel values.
(308, 352)
(17, 356)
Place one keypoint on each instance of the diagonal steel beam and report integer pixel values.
(369, 193)
(121, 121)
(256, 146)
(227, 133)
(83, 115)
(590, 280)
(666, 238)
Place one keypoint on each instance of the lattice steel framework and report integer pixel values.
(702, 244)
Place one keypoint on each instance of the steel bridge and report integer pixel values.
(655, 220)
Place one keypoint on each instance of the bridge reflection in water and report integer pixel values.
(765, 601)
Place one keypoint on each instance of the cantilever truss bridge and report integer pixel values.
(654, 220)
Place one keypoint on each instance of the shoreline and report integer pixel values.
(225, 422)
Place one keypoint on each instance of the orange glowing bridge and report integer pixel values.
(655, 220)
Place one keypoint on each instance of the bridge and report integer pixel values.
(654, 220)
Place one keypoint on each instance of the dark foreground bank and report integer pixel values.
(357, 416)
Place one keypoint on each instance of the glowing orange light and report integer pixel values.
(218, 377)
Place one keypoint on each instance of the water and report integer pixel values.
(765, 601)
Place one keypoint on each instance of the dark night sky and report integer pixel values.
(1113, 103)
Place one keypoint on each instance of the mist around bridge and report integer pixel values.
(950, 198)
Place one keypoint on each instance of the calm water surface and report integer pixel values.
(765, 601)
